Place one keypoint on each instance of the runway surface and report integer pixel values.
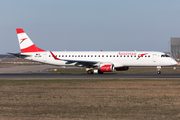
(40, 72)
(83, 76)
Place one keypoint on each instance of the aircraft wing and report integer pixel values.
(78, 62)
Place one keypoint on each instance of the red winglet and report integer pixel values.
(19, 30)
(54, 56)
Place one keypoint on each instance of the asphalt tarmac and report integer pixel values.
(83, 76)
(40, 72)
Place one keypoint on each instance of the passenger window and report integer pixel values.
(88, 55)
(149, 56)
(62, 55)
(78, 55)
(102, 55)
(72, 55)
(128, 56)
(49, 55)
(84, 55)
(99, 56)
(110, 55)
(117, 55)
(81, 55)
(91, 55)
(69, 55)
(113, 55)
(95, 56)
(124, 56)
(106, 55)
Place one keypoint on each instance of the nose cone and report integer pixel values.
(173, 62)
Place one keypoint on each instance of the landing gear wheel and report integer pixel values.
(99, 72)
(158, 69)
(158, 72)
(90, 72)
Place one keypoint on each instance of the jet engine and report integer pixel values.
(106, 68)
(122, 68)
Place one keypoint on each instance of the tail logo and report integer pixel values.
(22, 40)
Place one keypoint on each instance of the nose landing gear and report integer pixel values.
(158, 72)
(158, 69)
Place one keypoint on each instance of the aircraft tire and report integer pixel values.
(158, 72)
(90, 72)
(99, 72)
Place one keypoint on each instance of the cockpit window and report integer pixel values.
(165, 55)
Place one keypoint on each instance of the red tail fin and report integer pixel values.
(26, 45)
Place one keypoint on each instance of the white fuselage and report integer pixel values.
(118, 58)
(104, 61)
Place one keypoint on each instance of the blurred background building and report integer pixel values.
(175, 48)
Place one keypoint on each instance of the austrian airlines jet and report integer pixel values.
(100, 61)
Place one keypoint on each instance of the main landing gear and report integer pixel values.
(99, 72)
(90, 71)
(158, 69)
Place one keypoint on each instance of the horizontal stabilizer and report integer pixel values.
(19, 54)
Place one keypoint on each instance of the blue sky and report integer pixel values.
(94, 25)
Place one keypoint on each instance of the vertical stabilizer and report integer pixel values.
(25, 43)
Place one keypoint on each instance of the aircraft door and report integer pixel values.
(154, 57)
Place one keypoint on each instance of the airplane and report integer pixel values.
(101, 61)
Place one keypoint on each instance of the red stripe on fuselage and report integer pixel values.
(54, 56)
(19, 30)
(142, 55)
(32, 48)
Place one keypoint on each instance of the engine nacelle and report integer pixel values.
(122, 68)
(106, 68)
